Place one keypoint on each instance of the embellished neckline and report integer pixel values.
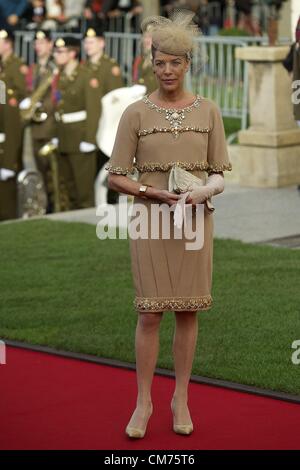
(175, 116)
(152, 105)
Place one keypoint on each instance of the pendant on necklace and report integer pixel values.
(175, 119)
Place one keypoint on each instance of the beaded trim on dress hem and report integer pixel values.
(157, 304)
(156, 130)
(119, 170)
(156, 166)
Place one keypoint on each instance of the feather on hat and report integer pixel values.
(174, 35)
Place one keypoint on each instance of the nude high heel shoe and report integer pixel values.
(184, 429)
(138, 433)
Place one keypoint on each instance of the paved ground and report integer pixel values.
(255, 215)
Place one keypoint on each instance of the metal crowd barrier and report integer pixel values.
(124, 48)
(215, 73)
(218, 75)
(126, 23)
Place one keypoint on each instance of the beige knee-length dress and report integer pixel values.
(167, 276)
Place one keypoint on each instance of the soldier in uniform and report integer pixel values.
(42, 130)
(104, 76)
(12, 73)
(142, 67)
(76, 138)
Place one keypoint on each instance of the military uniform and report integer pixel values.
(12, 73)
(104, 76)
(42, 132)
(72, 114)
(144, 75)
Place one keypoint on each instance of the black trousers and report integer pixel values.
(8, 199)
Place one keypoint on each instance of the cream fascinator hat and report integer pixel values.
(174, 35)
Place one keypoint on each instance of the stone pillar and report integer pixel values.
(268, 152)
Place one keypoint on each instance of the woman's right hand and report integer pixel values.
(165, 196)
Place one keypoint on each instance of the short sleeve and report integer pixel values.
(125, 146)
(217, 154)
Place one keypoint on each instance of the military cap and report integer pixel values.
(67, 41)
(6, 34)
(94, 32)
(42, 34)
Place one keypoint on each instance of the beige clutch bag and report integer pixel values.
(180, 180)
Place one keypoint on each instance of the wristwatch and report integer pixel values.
(142, 190)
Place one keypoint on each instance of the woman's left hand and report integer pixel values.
(198, 196)
(214, 185)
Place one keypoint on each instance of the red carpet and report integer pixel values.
(49, 402)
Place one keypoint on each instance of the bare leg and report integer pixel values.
(146, 347)
(184, 345)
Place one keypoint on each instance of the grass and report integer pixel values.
(231, 125)
(63, 287)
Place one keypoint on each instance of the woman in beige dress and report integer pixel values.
(170, 125)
